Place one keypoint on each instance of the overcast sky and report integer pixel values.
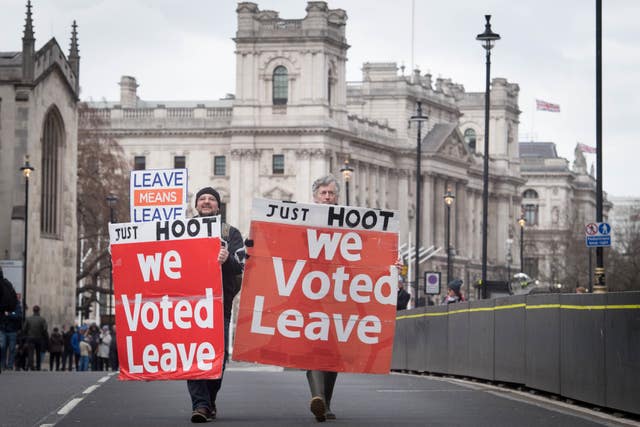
(182, 50)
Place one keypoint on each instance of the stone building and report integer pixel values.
(38, 118)
(557, 202)
(294, 117)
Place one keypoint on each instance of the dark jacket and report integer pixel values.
(403, 299)
(35, 327)
(232, 268)
(56, 342)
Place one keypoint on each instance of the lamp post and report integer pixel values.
(488, 39)
(448, 201)
(522, 223)
(419, 119)
(26, 170)
(347, 171)
(112, 199)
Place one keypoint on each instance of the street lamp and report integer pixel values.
(419, 119)
(488, 39)
(522, 223)
(112, 199)
(26, 170)
(448, 201)
(347, 171)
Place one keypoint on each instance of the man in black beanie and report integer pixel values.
(231, 258)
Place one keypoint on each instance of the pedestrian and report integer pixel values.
(113, 351)
(37, 337)
(403, 297)
(76, 339)
(103, 349)
(56, 344)
(326, 191)
(85, 353)
(10, 325)
(454, 294)
(67, 350)
(231, 259)
(581, 290)
(8, 303)
(94, 340)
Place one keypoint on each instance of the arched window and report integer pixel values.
(530, 194)
(470, 139)
(280, 86)
(52, 144)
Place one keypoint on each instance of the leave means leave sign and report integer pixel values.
(319, 290)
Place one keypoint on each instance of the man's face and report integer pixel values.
(326, 194)
(207, 205)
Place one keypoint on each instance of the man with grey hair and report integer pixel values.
(326, 191)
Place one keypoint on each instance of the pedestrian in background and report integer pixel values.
(56, 344)
(454, 294)
(113, 351)
(103, 349)
(93, 335)
(37, 337)
(85, 353)
(10, 325)
(76, 339)
(403, 297)
(67, 349)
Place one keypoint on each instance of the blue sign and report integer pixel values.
(598, 234)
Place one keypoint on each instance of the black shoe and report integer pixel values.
(318, 408)
(201, 415)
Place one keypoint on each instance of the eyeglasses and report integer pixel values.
(326, 193)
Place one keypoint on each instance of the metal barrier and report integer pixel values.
(582, 346)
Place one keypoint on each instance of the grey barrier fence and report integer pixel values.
(581, 346)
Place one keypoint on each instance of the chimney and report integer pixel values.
(128, 92)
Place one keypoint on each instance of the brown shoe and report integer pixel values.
(318, 408)
(201, 415)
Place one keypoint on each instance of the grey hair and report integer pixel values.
(324, 181)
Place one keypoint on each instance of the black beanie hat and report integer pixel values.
(208, 190)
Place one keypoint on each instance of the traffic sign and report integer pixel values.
(597, 234)
(432, 282)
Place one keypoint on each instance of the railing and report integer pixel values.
(137, 113)
(583, 347)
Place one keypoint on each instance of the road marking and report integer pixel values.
(418, 391)
(69, 406)
(103, 379)
(90, 389)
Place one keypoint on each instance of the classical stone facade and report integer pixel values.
(38, 118)
(294, 117)
(557, 201)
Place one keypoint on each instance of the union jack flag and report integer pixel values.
(586, 148)
(547, 106)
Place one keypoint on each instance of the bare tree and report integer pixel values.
(623, 262)
(102, 171)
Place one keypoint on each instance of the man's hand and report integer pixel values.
(223, 255)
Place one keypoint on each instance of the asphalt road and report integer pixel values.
(265, 396)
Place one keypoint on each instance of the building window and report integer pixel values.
(531, 214)
(220, 165)
(278, 164)
(530, 194)
(179, 162)
(470, 139)
(52, 143)
(280, 86)
(139, 163)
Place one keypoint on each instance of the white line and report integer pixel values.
(69, 406)
(90, 389)
(103, 379)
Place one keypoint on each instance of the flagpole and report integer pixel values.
(533, 121)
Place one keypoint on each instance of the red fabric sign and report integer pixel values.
(168, 293)
(318, 297)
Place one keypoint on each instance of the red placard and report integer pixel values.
(168, 293)
(318, 297)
